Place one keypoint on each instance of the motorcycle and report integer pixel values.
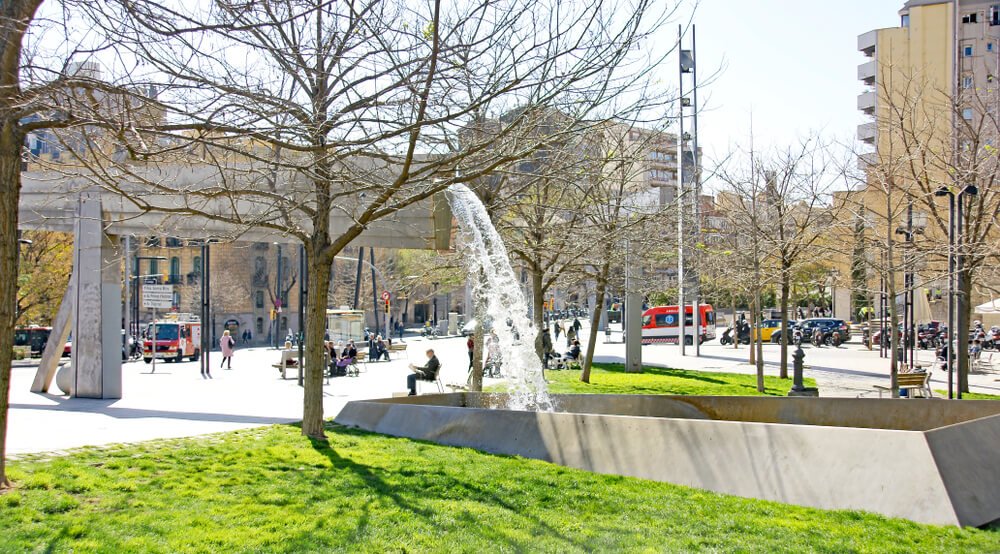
(726, 337)
(817, 339)
(797, 337)
(429, 332)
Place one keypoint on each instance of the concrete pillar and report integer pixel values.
(97, 306)
(633, 332)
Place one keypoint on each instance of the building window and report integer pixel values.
(995, 14)
(174, 242)
(967, 51)
(259, 299)
(177, 300)
(967, 82)
(970, 18)
(904, 20)
(153, 242)
(154, 267)
(967, 114)
(989, 46)
(197, 265)
(175, 270)
(260, 325)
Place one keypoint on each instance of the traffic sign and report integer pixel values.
(385, 295)
(157, 296)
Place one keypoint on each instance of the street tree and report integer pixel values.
(316, 119)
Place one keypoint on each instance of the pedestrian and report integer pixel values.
(471, 345)
(249, 336)
(227, 343)
(558, 330)
(570, 335)
(576, 326)
(401, 328)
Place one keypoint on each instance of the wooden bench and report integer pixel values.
(397, 347)
(916, 382)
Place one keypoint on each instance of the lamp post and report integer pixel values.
(914, 226)
(955, 304)
(435, 283)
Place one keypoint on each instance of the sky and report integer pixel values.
(790, 66)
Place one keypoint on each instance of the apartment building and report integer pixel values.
(940, 65)
(931, 92)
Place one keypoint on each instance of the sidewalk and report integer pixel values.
(176, 402)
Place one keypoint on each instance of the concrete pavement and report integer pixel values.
(177, 402)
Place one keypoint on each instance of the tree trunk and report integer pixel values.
(785, 285)
(479, 346)
(10, 177)
(732, 300)
(595, 322)
(964, 312)
(756, 345)
(537, 302)
(312, 402)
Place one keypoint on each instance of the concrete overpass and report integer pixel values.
(190, 202)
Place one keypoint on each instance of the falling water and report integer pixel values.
(505, 304)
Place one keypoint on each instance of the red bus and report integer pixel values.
(660, 325)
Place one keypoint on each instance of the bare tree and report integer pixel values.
(316, 119)
(16, 95)
(621, 215)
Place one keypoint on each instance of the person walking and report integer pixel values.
(227, 343)
(576, 326)
(558, 330)
(570, 334)
(546, 348)
(471, 345)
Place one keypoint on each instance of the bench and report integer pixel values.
(397, 347)
(916, 382)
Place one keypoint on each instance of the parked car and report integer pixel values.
(769, 327)
(827, 326)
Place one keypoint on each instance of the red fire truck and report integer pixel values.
(178, 336)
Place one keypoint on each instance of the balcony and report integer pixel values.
(866, 160)
(867, 132)
(866, 43)
(175, 279)
(866, 73)
(866, 102)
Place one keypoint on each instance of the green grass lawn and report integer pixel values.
(270, 489)
(969, 395)
(612, 379)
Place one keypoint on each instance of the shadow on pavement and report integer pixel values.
(104, 407)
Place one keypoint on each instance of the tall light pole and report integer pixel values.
(957, 330)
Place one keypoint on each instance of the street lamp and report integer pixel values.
(435, 283)
(915, 225)
(955, 202)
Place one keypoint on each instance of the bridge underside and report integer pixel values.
(92, 305)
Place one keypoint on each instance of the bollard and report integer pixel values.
(798, 389)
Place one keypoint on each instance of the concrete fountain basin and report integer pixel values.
(932, 461)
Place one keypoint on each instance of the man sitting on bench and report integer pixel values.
(428, 372)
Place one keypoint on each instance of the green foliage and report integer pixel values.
(612, 379)
(22, 352)
(272, 490)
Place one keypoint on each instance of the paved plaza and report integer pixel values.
(175, 401)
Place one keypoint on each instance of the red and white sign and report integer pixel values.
(385, 295)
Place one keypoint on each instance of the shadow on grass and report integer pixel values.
(666, 372)
(470, 492)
